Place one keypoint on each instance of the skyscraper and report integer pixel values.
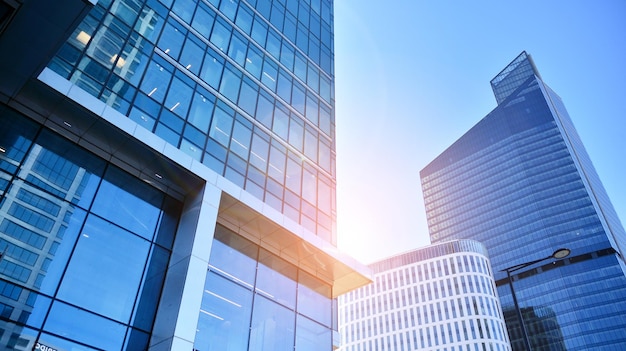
(439, 297)
(521, 182)
(167, 176)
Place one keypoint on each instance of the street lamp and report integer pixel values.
(558, 255)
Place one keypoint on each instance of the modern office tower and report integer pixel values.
(440, 297)
(167, 176)
(521, 182)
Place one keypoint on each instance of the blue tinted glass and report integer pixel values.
(239, 263)
(121, 197)
(16, 136)
(224, 321)
(117, 258)
(84, 327)
(150, 289)
(311, 336)
(273, 326)
(276, 279)
(314, 298)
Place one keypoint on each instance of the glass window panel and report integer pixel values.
(281, 121)
(298, 97)
(172, 39)
(167, 134)
(156, 80)
(221, 127)
(294, 175)
(324, 155)
(121, 196)
(248, 96)
(324, 197)
(276, 168)
(325, 88)
(166, 231)
(201, 110)
(212, 68)
(184, 9)
(296, 132)
(231, 81)
(173, 122)
(237, 49)
(117, 258)
(191, 149)
(300, 68)
(276, 279)
(265, 109)
(311, 336)
(314, 298)
(260, 151)
(56, 169)
(229, 9)
(273, 326)
(241, 140)
(289, 29)
(220, 36)
(254, 61)
(233, 256)
(309, 185)
(278, 15)
(259, 31)
(324, 119)
(203, 20)
(270, 72)
(191, 58)
(224, 320)
(16, 136)
(310, 144)
(287, 55)
(273, 44)
(106, 46)
(284, 86)
(82, 326)
(311, 108)
(244, 19)
(150, 290)
(178, 98)
(313, 78)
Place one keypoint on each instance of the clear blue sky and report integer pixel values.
(413, 76)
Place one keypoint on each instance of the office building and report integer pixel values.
(521, 182)
(167, 176)
(439, 297)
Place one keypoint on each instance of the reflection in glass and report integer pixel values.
(233, 256)
(128, 202)
(276, 279)
(272, 326)
(314, 298)
(84, 327)
(311, 336)
(224, 316)
(117, 258)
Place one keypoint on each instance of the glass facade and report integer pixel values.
(245, 87)
(67, 216)
(254, 300)
(440, 297)
(521, 182)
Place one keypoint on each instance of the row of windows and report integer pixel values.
(255, 300)
(416, 274)
(188, 115)
(436, 337)
(445, 290)
(55, 249)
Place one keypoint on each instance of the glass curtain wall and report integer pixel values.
(254, 300)
(80, 270)
(245, 87)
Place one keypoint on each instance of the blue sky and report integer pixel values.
(413, 76)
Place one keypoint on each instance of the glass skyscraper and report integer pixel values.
(521, 182)
(167, 176)
(440, 297)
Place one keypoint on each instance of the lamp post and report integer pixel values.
(558, 255)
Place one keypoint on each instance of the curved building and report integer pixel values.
(440, 297)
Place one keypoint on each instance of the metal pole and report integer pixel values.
(519, 313)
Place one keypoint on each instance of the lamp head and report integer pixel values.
(561, 253)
